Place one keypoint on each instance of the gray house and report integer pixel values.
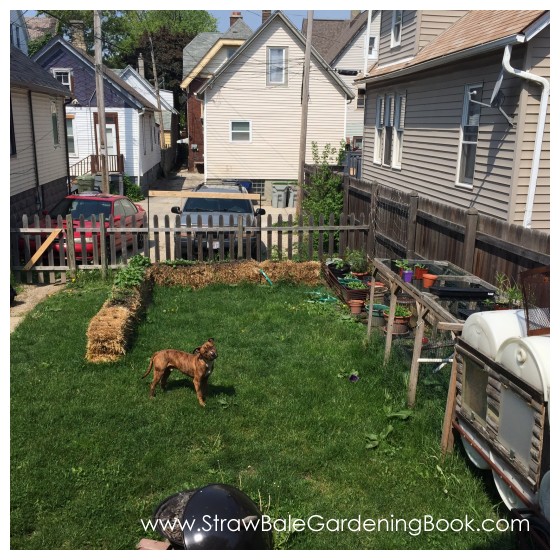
(457, 110)
(38, 148)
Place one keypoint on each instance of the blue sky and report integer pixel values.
(253, 17)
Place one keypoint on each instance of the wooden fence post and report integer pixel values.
(470, 239)
(372, 218)
(103, 245)
(70, 251)
(345, 193)
(411, 232)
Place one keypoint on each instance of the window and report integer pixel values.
(13, 150)
(241, 131)
(64, 76)
(396, 28)
(70, 135)
(361, 97)
(469, 135)
(276, 74)
(18, 38)
(357, 142)
(373, 39)
(54, 119)
(230, 51)
(389, 129)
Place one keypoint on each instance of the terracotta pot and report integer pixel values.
(429, 280)
(419, 273)
(355, 306)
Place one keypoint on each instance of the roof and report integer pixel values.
(347, 34)
(39, 26)
(323, 32)
(117, 81)
(27, 74)
(476, 30)
(297, 36)
(195, 51)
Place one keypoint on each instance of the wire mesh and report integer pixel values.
(535, 285)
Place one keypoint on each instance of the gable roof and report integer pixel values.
(324, 30)
(352, 28)
(29, 75)
(319, 60)
(476, 32)
(116, 81)
(202, 44)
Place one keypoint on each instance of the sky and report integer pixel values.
(253, 17)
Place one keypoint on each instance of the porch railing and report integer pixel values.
(92, 164)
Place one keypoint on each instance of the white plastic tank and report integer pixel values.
(487, 330)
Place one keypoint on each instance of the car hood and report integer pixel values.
(246, 219)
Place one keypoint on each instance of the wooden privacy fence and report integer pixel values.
(165, 239)
(406, 225)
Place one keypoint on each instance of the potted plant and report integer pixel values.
(357, 259)
(355, 306)
(419, 271)
(428, 279)
(402, 316)
(339, 267)
(352, 283)
(508, 293)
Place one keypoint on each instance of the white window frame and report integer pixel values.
(389, 127)
(231, 132)
(396, 24)
(74, 137)
(462, 142)
(68, 71)
(373, 53)
(361, 98)
(284, 81)
(54, 122)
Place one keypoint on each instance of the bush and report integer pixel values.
(132, 190)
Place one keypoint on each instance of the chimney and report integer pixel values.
(77, 34)
(141, 65)
(354, 14)
(265, 15)
(234, 17)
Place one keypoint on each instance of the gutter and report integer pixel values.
(540, 130)
(446, 59)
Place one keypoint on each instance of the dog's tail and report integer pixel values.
(149, 367)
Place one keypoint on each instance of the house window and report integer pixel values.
(469, 135)
(230, 51)
(71, 135)
(54, 120)
(276, 74)
(361, 98)
(18, 38)
(241, 131)
(389, 130)
(396, 28)
(357, 142)
(373, 39)
(13, 150)
(63, 75)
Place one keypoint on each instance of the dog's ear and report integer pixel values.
(211, 340)
(197, 350)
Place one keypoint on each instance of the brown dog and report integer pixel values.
(198, 365)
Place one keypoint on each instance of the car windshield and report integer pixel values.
(81, 207)
(223, 205)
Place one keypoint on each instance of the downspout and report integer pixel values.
(540, 130)
(140, 144)
(366, 42)
(204, 129)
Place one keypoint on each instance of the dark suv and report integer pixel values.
(220, 202)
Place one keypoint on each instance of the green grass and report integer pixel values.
(91, 454)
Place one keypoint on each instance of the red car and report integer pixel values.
(126, 214)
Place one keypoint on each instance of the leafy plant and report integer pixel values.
(132, 190)
(508, 292)
(421, 266)
(357, 259)
(402, 311)
(403, 264)
(374, 440)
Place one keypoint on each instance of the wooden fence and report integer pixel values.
(405, 225)
(162, 240)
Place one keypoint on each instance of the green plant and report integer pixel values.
(421, 266)
(403, 264)
(357, 259)
(508, 292)
(402, 311)
(132, 190)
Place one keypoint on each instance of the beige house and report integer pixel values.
(457, 110)
(252, 108)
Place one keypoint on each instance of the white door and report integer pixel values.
(111, 138)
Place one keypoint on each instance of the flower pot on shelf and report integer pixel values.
(400, 322)
(339, 270)
(407, 275)
(419, 272)
(355, 306)
(429, 280)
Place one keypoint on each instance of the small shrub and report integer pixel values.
(132, 190)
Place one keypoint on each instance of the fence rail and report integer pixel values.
(166, 239)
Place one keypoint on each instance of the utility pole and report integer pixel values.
(156, 85)
(304, 109)
(100, 100)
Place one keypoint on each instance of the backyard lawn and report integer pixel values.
(92, 455)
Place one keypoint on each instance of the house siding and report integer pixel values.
(537, 62)
(241, 93)
(352, 58)
(434, 105)
(432, 23)
(408, 46)
(22, 164)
